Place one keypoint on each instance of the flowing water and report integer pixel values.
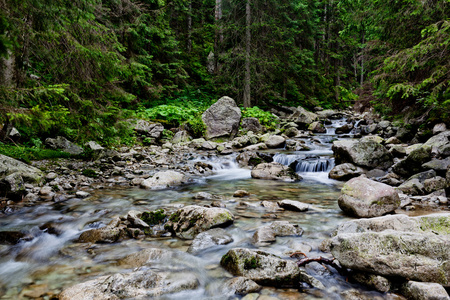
(48, 262)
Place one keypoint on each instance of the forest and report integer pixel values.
(81, 68)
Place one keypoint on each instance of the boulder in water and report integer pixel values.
(208, 239)
(190, 220)
(163, 180)
(275, 141)
(274, 171)
(364, 153)
(222, 118)
(362, 197)
(345, 171)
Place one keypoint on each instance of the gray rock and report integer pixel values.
(208, 239)
(275, 141)
(14, 133)
(163, 180)
(317, 127)
(28, 173)
(363, 197)
(415, 184)
(141, 283)
(263, 236)
(417, 256)
(190, 220)
(302, 116)
(284, 228)
(13, 187)
(82, 194)
(291, 132)
(149, 129)
(397, 151)
(181, 137)
(412, 164)
(240, 286)
(364, 153)
(251, 124)
(51, 176)
(259, 146)
(438, 128)
(45, 190)
(293, 205)
(376, 282)
(440, 143)
(274, 171)
(208, 145)
(415, 290)
(94, 146)
(107, 234)
(346, 128)
(134, 217)
(439, 165)
(393, 140)
(345, 171)
(248, 158)
(434, 184)
(63, 144)
(222, 118)
(262, 267)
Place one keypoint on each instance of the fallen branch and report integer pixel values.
(322, 260)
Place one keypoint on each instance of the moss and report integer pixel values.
(89, 173)
(175, 217)
(251, 263)
(439, 225)
(254, 161)
(153, 217)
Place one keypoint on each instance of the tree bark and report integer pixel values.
(247, 98)
(189, 24)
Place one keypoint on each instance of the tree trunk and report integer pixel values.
(247, 99)
(218, 35)
(189, 24)
(362, 57)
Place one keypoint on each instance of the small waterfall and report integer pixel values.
(302, 163)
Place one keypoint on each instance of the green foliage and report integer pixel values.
(265, 118)
(27, 154)
(89, 173)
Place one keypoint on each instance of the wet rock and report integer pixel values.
(317, 127)
(364, 153)
(284, 228)
(61, 143)
(275, 141)
(293, 205)
(434, 184)
(222, 118)
(208, 145)
(82, 194)
(11, 237)
(439, 165)
(251, 124)
(145, 257)
(366, 198)
(397, 151)
(412, 164)
(190, 220)
(346, 128)
(291, 132)
(424, 291)
(393, 140)
(263, 236)
(45, 191)
(205, 196)
(345, 171)
(240, 286)
(271, 206)
(107, 234)
(134, 217)
(241, 194)
(149, 129)
(259, 146)
(376, 282)
(28, 173)
(208, 239)
(142, 283)
(262, 267)
(248, 158)
(163, 180)
(274, 171)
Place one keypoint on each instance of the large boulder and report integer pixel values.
(412, 164)
(274, 171)
(262, 267)
(415, 185)
(275, 141)
(190, 220)
(396, 246)
(251, 124)
(13, 187)
(303, 117)
(362, 197)
(163, 180)
(63, 144)
(141, 283)
(9, 166)
(222, 118)
(415, 290)
(345, 171)
(364, 153)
